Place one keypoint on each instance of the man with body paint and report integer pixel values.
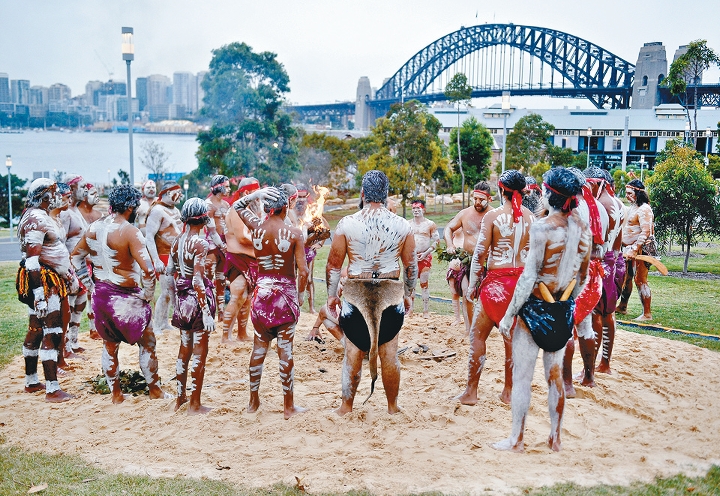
(532, 197)
(120, 261)
(426, 237)
(603, 318)
(292, 194)
(315, 233)
(275, 307)
(467, 222)
(162, 228)
(59, 205)
(374, 299)
(594, 214)
(240, 265)
(502, 243)
(216, 232)
(194, 312)
(327, 319)
(42, 281)
(555, 271)
(149, 193)
(75, 225)
(636, 231)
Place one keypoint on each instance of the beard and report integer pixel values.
(532, 202)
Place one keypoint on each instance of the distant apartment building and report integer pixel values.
(185, 92)
(38, 95)
(141, 92)
(5, 96)
(200, 92)
(157, 96)
(92, 90)
(58, 92)
(19, 91)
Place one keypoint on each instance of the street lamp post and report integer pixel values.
(128, 53)
(708, 135)
(506, 111)
(8, 164)
(642, 166)
(687, 132)
(186, 186)
(588, 150)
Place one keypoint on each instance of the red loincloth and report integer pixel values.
(425, 263)
(496, 291)
(237, 264)
(591, 293)
(458, 275)
(274, 303)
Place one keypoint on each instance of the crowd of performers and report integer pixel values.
(545, 267)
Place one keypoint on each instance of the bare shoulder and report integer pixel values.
(198, 245)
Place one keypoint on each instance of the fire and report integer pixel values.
(315, 210)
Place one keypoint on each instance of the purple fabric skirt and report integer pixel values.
(121, 314)
(614, 266)
(187, 314)
(274, 303)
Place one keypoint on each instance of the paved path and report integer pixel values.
(9, 251)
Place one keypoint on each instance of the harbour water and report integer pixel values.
(91, 155)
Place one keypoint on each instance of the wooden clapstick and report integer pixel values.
(568, 290)
(545, 292)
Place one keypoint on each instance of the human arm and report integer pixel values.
(300, 262)
(338, 250)
(409, 261)
(449, 232)
(154, 220)
(34, 243)
(77, 259)
(249, 218)
(482, 247)
(212, 228)
(139, 252)
(526, 281)
(199, 248)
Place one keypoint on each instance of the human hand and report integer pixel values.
(159, 267)
(506, 325)
(41, 308)
(408, 304)
(630, 251)
(207, 319)
(266, 194)
(332, 303)
(301, 298)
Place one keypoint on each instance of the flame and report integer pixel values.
(315, 210)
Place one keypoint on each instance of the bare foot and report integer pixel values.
(506, 395)
(343, 410)
(466, 398)
(569, 390)
(95, 335)
(456, 322)
(118, 398)
(244, 337)
(34, 388)
(79, 349)
(294, 411)
(554, 444)
(156, 393)
(587, 381)
(604, 369)
(392, 410)
(61, 372)
(642, 318)
(181, 400)
(253, 405)
(200, 410)
(58, 396)
(622, 311)
(69, 355)
(508, 445)
(426, 315)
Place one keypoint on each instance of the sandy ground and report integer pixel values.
(656, 416)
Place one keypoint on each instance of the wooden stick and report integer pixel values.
(545, 292)
(568, 291)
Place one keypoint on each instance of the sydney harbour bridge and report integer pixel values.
(524, 60)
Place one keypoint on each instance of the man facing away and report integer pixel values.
(426, 237)
(42, 281)
(163, 226)
(635, 233)
(122, 313)
(555, 272)
(375, 300)
(503, 244)
(275, 308)
(194, 312)
(467, 221)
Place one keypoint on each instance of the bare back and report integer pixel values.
(501, 241)
(279, 248)
(238, 236)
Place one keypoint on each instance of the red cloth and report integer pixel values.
(240, 264)
(165, 259)
(497, 290)
(595, 224)
(425, 263)
(591, 293)
(274, 303)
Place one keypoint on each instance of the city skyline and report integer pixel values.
(326, 46)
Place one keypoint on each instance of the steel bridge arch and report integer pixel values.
(593, 72)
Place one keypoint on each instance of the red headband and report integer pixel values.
(570, 202)
(595, 225)
(483, 192)
(255, 185)
(417, 203)
(533, 186)
(516, 202)
(74, 180)
(634, 187)
(165, 190)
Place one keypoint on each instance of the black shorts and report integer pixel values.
(356, 330)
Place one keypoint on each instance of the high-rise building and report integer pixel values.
(200, 92)
(19, 89)
(4, 88)
(92, 90)
(157, 86)
(58, 92)
(141, 92)
(38, 95)
(185, 91)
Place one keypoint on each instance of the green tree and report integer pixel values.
(458, 91)
(250, 135)
(527, 144)
(18, 193)
(332, 161)
(686, 73)
(687, 210)
(409, 150)
(476, 148)
(565, 157)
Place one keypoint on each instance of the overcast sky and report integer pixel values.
(325, 45)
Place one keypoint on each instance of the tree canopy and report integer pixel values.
(409, 150)
(250, 135)
(686, 73)
(18, 197)
(683, 194)
(332, 161)
(527, 144)
(476, 149)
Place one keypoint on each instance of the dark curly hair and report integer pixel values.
(124, 197)
(511, 180)
(562, 185)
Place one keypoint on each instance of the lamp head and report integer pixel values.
(128, 48)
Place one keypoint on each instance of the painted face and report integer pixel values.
(481, 202)
(79, 191)
(630, 195)
(417, 210)
(302, 201)
(150, 189)
(92, 196)
(173, 196)
(225, 187)
(61, 200)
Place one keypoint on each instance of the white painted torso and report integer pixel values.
(36, 226)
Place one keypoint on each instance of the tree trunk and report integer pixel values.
(687, 248)
(695, 106)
